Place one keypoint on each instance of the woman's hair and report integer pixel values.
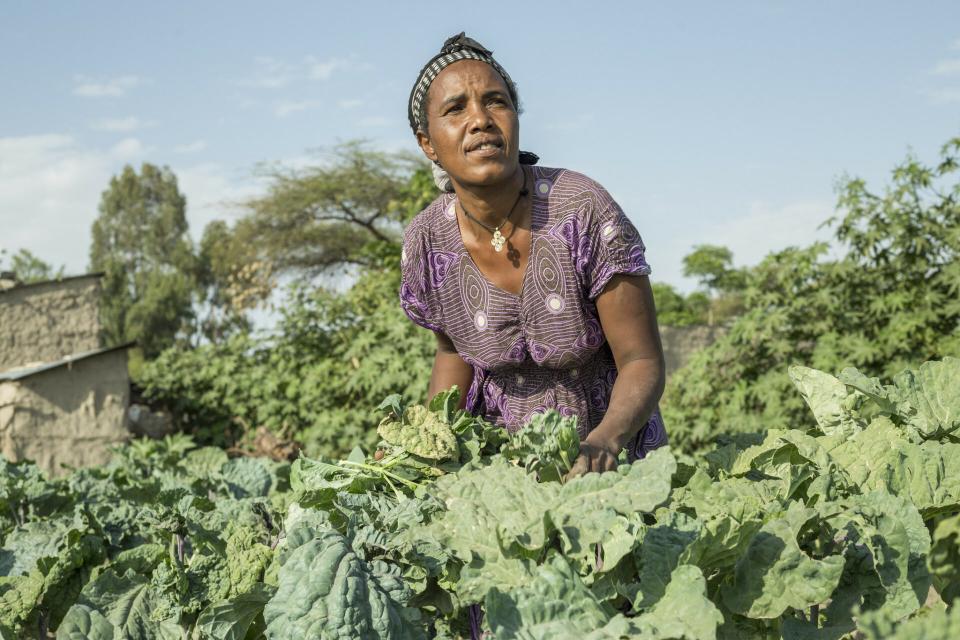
(456, 48)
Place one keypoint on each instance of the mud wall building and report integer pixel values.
(63, 396)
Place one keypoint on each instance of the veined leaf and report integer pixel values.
(421, 432)
(775, 575)
(326, 591)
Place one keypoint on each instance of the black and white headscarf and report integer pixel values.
(456, 48)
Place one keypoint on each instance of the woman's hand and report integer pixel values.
(597, 453)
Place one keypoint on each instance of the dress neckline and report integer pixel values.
(526, 269)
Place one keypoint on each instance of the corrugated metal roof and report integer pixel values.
(20, 287)
(26, 372)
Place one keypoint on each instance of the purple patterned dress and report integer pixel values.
(544, 348)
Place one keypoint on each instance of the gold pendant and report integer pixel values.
(497, 241)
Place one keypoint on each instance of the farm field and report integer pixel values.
(449, 528)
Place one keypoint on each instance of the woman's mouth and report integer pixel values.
(485, 151)
(485, 148)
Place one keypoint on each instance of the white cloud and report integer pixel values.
(287, 107)
(767, 227)
(350, 104)
(213, 193)
(122, 125)
(114, 87)
(128, 149)
(323, 69)
(191, 147)
(272, 73)
(269, 73)
(955, 45)
(761, 229)
(947, 67)
(49, 191)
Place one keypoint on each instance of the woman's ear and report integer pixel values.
(424, 141)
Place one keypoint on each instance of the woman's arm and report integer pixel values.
(629, 321)
(449, 369)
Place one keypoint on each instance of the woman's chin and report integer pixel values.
(489, 172)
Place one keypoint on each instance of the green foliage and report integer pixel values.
(892, 299)
(135, 549)
(334, 356)
(28, 268)
(676, 310)
(713, 266)
(805, 534)
(141, 243)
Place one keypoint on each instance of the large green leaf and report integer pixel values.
(944, 559)
(828, 399)
(934, 625)
(683, 612)
(885, 544)
(26, 544)
(248, 477)
(326, 591)
(498, 516)
(881, 458)
(231, 619)
(775, 575)
(927, 398)
(85, 623)
(127, 603)
(555, 604)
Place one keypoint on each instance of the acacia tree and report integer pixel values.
(321, 219)
(141, 244)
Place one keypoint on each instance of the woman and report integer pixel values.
(533, 279)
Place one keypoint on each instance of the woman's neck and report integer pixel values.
(491, 203)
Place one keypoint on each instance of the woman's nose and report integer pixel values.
(479, 118)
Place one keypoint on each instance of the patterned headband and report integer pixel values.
(456, 48)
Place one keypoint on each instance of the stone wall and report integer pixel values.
(681, 343)
(71, 413)
(47, 321)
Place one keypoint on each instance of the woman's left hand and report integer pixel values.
(597, 453)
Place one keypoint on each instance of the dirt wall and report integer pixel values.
(680, 343)
(48, 321)
(70, 414)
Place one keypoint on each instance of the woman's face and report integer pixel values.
(473, 126)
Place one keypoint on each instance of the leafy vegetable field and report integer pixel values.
(451, 528)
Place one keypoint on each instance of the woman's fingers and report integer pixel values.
(592, 459)
(609, 461)
(580, 466)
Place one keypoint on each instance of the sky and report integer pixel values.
(710, 123)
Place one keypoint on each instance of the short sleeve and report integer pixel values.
(413, 278)
(611, 245)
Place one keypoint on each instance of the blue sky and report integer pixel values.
(726, 123)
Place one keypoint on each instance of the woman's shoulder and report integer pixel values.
(569, 187)
(425, 224)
